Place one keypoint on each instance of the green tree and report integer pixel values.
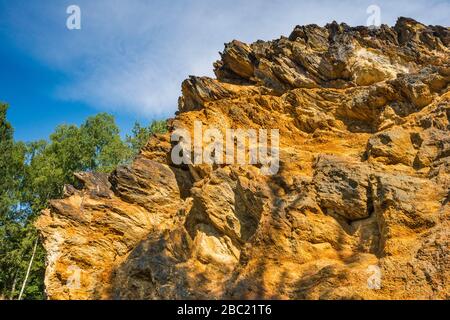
(8, 198)
(16, 235)
(101, 143)
(94, 146)
(11, 160)
(140, 135)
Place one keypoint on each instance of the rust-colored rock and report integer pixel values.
(362, 190)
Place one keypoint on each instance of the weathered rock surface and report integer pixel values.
(363, 185)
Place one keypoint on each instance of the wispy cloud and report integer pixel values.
(132, 55)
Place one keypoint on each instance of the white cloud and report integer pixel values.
(132, 55)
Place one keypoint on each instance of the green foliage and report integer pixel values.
(33, 173)
(140, 135)
(94, 146)
(16, 233)
(11, 160)
(101, 145)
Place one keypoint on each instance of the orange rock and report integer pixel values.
(358, 210)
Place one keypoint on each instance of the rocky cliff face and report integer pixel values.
(359, 208)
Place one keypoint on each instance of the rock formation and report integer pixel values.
(362, 190)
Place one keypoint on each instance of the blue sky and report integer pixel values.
(130, 56)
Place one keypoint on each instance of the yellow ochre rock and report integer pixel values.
(359, 208)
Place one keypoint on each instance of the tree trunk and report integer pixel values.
(11, 297)
(28, 271)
